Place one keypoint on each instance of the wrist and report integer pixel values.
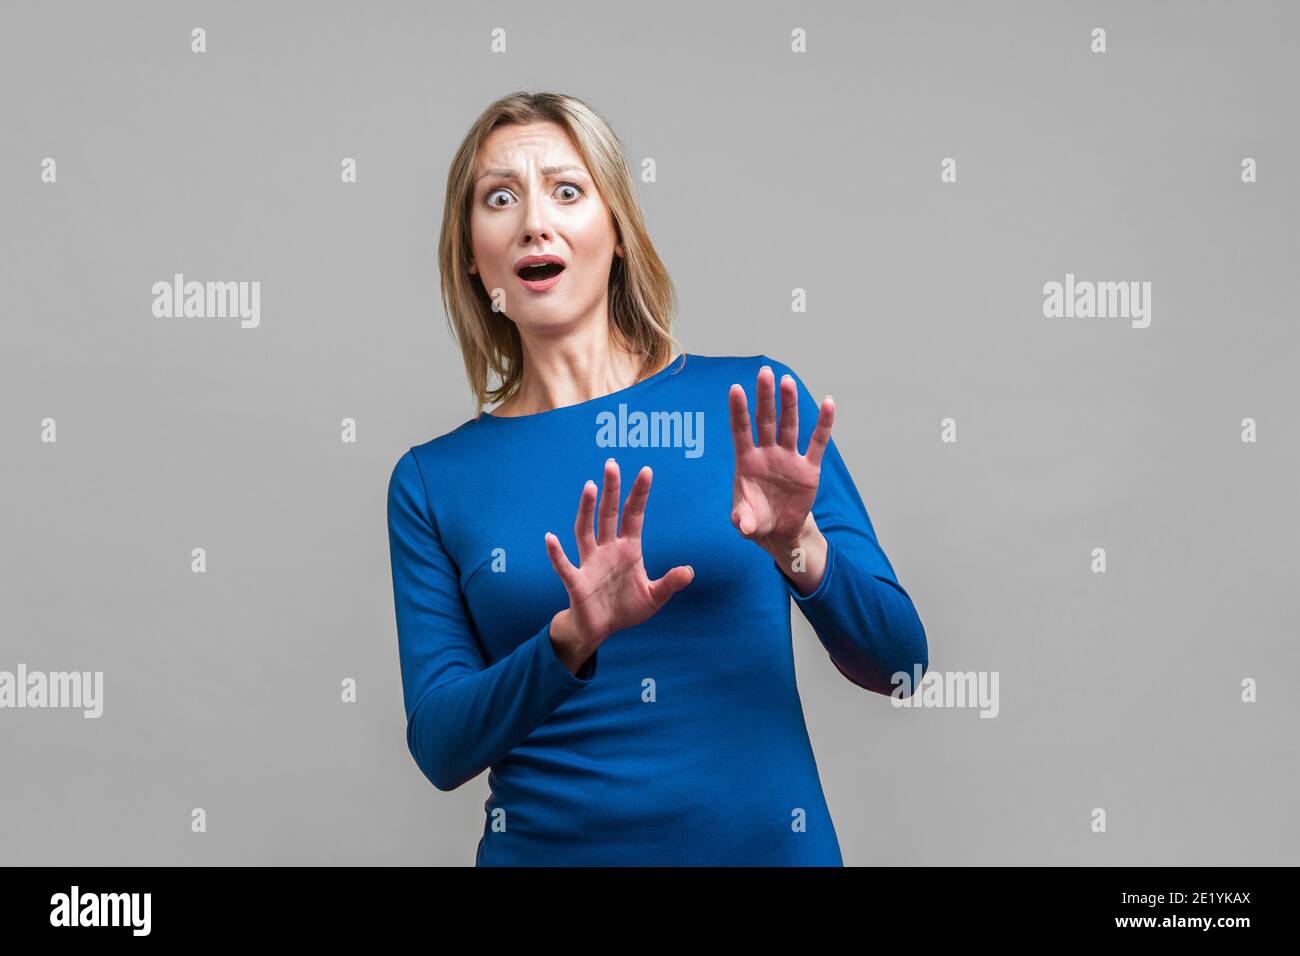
(785, 550)
(803, 559)
(571, 645)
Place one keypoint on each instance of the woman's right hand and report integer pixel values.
(610, 591)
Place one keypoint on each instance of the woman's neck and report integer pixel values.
(569, 376)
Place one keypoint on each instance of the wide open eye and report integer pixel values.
(566, 185)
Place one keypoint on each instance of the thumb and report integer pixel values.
(742, 516)
(672, 582)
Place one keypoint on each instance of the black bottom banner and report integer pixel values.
(1172, 906)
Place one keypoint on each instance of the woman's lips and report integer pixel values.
(541, 285)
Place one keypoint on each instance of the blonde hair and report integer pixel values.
(642, 300)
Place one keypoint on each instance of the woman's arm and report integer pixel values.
(859, 611)
(462, 715)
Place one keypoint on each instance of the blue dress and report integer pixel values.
(680, 741)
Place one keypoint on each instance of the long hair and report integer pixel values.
(642, 300)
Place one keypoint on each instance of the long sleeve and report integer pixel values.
(462, 715)
(859, 611)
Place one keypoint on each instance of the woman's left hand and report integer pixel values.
(775, 486)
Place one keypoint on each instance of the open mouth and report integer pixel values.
(538, 273)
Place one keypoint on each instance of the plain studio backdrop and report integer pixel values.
(775, 170)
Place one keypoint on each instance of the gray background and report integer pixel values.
(775, 171)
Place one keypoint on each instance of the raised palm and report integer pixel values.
(774, 486)
(611, 590)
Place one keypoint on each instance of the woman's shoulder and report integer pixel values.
(745, 367)
(435, 455)
(726, 363)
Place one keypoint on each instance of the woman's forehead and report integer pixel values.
(548, 142)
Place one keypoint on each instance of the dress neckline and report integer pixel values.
(674, 366)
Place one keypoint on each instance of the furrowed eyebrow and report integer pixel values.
(545, 170)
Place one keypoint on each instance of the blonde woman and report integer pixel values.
(622, 665)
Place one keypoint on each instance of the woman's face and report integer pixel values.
(533, 197)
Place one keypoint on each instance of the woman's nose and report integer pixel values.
(536, 223)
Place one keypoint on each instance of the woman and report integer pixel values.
(638, 706)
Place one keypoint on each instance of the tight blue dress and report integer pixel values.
(681, 741)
